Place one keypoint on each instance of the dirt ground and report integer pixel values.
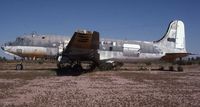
(39, 86)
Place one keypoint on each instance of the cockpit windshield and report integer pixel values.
(18, 41)
(8, 44)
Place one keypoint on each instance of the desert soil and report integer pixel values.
(39, 86)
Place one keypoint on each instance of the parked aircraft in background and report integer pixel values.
(86, 47)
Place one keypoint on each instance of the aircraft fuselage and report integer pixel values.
(122, 50)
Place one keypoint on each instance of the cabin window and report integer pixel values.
(111, 48)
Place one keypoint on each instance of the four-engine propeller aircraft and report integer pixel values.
(85, 47)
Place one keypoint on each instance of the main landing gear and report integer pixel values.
(75, 68)
(172, 68)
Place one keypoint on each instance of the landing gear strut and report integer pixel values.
(75, 67)
(179, 68)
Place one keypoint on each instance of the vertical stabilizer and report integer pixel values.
(174, 40)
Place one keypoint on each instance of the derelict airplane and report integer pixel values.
(86, 47)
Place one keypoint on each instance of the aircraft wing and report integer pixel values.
(83, 46)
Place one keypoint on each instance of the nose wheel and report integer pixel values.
(19, 67)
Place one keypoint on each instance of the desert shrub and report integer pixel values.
(189, 63)
(40, 61)
(148, 63)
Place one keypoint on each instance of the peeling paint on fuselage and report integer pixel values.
(36, 46)
(47, 46)
(171, 44)
(115, 50)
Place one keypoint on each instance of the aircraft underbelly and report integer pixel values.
(32, 51)
(40, 51)
(119, 56)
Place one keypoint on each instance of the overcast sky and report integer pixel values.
(121, 19)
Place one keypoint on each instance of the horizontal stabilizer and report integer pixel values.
(174, 56)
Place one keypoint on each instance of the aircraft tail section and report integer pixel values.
(174, 39)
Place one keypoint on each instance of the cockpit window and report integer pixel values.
(8, 44)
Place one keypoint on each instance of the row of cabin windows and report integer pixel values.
(108, 43)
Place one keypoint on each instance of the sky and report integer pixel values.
(118, 19)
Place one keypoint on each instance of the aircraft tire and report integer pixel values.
(19, 67)
(180, 69)
(105, 66)
(60, 66)
(161, 68)
(171, 68)
(78, 68)
(92, 67)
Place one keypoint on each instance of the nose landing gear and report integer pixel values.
(19, 66)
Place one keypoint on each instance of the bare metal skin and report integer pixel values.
(169, 47)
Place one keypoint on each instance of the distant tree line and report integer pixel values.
(188, 61)
(3, 58)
